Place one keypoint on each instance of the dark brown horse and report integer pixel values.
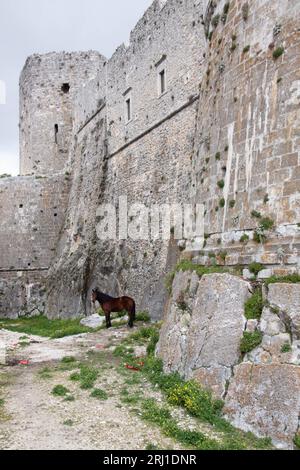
(110, 305)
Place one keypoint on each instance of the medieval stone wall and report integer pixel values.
(32, 214)
(247, 138)
(147, 159)
(48, 86)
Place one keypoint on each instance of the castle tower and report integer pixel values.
(48, 86)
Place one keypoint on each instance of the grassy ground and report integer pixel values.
(181, 410)
(42, 326)
(189, 396)
(182, 401)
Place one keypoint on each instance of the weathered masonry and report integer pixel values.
(202, 105)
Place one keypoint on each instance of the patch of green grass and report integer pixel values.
(162, 417)
(68, 360)
(45, 373)
(130, 399)
(143, 316)
(254, 305)
(60, 391)
(244, 238)
(267, 223)
(255, 268)
(256, 215)
(151, 446)
(250, 341)
(69, 398)
(278, 52)
(289, 279)
(68, 422)
(186, 265)
(286, 348)
(87, 376)
(24, 344)
(100, 394)
(297, 440)
(42, 326)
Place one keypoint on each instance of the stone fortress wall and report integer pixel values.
(221, 79)
(202, 105)
(247, 139)
(147, 159)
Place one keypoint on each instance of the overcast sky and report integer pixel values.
(29, 26)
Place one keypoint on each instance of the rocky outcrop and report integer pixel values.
(265, 399)
(203, 328)
(200, 339)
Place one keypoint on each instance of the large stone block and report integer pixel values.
(287, 298)
(203, 341)
(265, 399)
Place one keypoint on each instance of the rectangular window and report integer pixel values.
(128, 109)
(162, 76)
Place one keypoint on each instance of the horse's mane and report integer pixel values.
(101, 297)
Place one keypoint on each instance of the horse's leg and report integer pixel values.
(107, 318)
(131, 313)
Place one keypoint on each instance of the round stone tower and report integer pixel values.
(48, 86)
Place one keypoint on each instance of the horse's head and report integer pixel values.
(94, 295)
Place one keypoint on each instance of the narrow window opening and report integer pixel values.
(128, 109)
(162, 76)
(56, 132)
(65, 88)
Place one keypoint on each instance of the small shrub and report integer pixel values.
(259, 236)
(245, 11)
(218, 156)
(68, 360)
(60, 391)
(254, 306)
(255, 268)
(266, 223)
(69, 398)
(232, 204)
(181, 303)
(250, 341)
(226, 8)
(286, 348)
(246, 49)
(221, 184)
(278, 52)
(100, 394)
(215, 20)
(244, 238)
(143, 316)
(68, 422)
(297, 440)
(222, 203)
(222, 255)
(256, 215)
(266, 199)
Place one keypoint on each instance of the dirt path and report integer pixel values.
(34, 418)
